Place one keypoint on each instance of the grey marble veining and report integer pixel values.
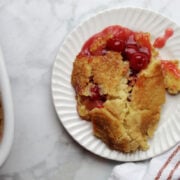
(31, 33)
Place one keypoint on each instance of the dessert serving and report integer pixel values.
(120, 83)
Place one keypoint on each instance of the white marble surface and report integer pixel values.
(31, 33)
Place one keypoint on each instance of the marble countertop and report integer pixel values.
(31, 33)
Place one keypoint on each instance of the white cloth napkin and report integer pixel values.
(162, 167)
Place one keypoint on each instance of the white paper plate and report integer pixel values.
(168, 131)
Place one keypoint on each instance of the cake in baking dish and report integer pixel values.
(120, 87)
(1, 119)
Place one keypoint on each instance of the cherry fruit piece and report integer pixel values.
(138, 61)
(95, 94)
(116, 44)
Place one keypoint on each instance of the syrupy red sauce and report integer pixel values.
(170, 66)
(161, 41)
(96, 99)
(91, 104)
(133, 46)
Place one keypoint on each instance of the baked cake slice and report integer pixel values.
(120, 87)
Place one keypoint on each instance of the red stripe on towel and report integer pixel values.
(173, 170)
(167, 162)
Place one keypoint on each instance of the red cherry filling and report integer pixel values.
(91, 104)
(115, 44)
(134, 47)
(137, 55)
(138, 61)
(169, 32)
(161, 41)
(131, 41)
(95, 100)
(95, 94)
(129, 51)
(146, 51)
(169, 66)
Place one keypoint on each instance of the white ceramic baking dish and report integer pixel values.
(8, 129)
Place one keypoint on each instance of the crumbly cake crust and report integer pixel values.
(171, 80)
(131, 109)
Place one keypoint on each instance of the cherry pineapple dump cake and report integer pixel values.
(120, 85)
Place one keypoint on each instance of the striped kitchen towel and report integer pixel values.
(162, 167)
